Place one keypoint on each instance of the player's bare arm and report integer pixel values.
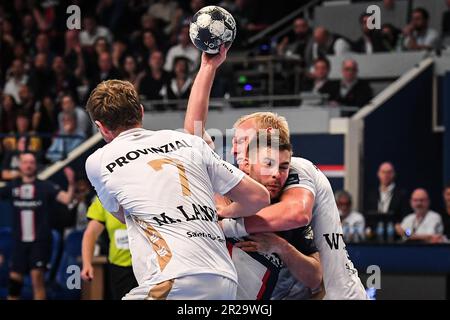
(305, 268)
(90, 236)
(65, 197)
(248, 197)
(197, 109)
(293, 211)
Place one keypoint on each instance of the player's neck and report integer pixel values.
(28, 179)
(120, 131)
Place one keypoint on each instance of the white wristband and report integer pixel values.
(234, 228)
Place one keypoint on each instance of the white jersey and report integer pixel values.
(165, 182)
(340, 278)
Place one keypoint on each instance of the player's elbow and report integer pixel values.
(315, 279)
(259, 199)
(297, 213)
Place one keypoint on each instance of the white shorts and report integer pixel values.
(194, 287)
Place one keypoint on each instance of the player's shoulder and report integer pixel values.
(180, 135)
(302, 166)
(94, 161)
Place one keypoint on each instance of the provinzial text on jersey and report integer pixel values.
(135, 154)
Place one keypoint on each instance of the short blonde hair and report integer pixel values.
(265, 120)
(115, 103)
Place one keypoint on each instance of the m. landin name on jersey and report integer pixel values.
(201, 212)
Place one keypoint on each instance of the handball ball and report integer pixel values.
(210, 27)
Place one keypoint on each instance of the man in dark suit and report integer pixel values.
(352, 91)
(318, 81)
(388, 198)
(371, 40)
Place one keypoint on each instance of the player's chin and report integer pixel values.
(274, 191)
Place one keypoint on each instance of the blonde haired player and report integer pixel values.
(307, 196)
(162, 184)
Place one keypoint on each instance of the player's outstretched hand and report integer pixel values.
(70, 174)
(215, 60)
(262, 242)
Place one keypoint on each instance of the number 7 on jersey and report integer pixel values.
(157, 165)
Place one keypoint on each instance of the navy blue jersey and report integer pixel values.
(31, 203)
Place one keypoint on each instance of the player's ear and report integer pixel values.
(142, 111)
(245, 165)
(107, 134)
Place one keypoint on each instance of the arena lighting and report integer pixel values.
(248, 87)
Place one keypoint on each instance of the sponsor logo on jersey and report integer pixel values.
(135, 154)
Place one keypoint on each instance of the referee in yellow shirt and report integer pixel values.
(121, 277)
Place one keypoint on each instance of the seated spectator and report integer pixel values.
(39, 76)
(352, 91)
(106, 70)
(83, 121)
(388, 198)
(185, 49)
(423, 224)
(318, 81)
(62, 81)
(353, 222)
(74, 55)
(45, 119)
(179, 85)
(325, 43)
(418, 35)
(446, 216)
(296, 41)
(91, 31)
(130, 71)
(69, 139)
(147, 47)
(371, 40)
(16, 77)
(154, 79)
(390, 36)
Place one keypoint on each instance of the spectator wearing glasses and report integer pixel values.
(423, 224)
(353, 91)
(353, 222)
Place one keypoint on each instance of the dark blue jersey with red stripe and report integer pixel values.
(31, 203)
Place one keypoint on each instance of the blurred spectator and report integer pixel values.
(23, 132)
(446, 21)
(418, 36)
(130, 71)
(388, 198)
(389, 4)
(83, 121)
(390, 37)
(165, 11)
(371, 40)
(45, 119)
(248, 22)
(42, 45)
(110, 13)
(352, 91)
(297, 40)
(154, 79)
(185, 49)
(91, 32)
(148, 23)
(6, 54)
(325, 43)
(15, 79)
(353, 223)
(69, 138)
(74, 56)
(149, 45)
(179, 85)
(106, 70)
(39, 76)
(8, 113)
(29, 30)
(26, 100)
(62, 80)
(446, 216)
(79, 205)
(119, 51)
(32, 201)
(319, 82)
(423, 224)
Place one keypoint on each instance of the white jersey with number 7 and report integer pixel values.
(165, 182)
